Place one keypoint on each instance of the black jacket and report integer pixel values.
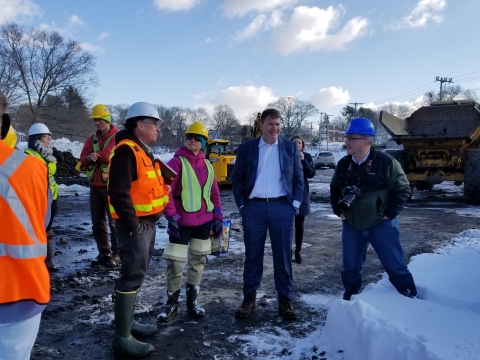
(308, 173)
(385, 189)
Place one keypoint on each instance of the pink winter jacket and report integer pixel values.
(175, 203)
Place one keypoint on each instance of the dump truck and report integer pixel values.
(222, 160)
(441, 142)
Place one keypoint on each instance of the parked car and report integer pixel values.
(324, 159)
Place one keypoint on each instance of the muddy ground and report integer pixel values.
(78, 322)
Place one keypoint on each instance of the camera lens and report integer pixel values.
(346, 202)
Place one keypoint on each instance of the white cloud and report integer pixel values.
(330, 96)
(260, 23)
(232, 8)
(92, 48)
(243, 100)
(15, 10)
(252, 29)
(175, 5)
(75, 20)
(425, 11)
(103, 35)
(310, 29)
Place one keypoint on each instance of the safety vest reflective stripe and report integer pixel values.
(192, 191)
(23, 251)
(8, 194)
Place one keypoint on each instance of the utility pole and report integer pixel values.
(311, 130)
(355, 104)
(442, 80)
(328, 129)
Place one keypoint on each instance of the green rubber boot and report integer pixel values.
(124, 344)
(171, 307)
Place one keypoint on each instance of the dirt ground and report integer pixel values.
(78, 323)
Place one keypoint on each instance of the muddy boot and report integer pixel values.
(249, 306)
(171, 307)
(49, 259)
(192, 305)
(124, 344)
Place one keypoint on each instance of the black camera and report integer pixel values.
(351, 193)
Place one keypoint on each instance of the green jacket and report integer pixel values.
(384, 189)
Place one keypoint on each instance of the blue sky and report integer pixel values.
(247, 53)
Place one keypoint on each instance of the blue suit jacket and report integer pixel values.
(245, 170)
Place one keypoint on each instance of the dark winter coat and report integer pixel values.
(384, 185)
(308, 172)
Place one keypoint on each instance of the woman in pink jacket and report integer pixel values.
(193, 210)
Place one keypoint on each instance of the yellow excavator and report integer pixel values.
(222, 160)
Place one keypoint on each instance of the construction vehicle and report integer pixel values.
(222, 160)
(441, 142)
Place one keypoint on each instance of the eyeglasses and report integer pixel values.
(192, 137)
(349, 138)
(148, 122)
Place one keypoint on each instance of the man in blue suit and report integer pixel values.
(268, 188)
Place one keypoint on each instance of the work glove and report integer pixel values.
(217, 227)
(173, 227)
(42, 149)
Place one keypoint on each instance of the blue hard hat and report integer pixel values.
(360, 126)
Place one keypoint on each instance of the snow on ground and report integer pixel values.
(379, 324)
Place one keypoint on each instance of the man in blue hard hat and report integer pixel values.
(367, 191)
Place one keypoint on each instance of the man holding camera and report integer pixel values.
(368, 190)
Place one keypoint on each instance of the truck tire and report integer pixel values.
(423, 185)
(471, 185)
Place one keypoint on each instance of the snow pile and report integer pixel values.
(442, 323)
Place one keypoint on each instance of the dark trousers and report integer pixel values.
(136, 250)
(99, 211)
(299, 221)
(53, 212)
(277, 217)
(200, 232)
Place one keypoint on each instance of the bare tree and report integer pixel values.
(118, 113)
(46, 64)
(225, 123)
(450, 93)
(293, 113)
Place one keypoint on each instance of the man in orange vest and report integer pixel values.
(137, 195)
(25, 199)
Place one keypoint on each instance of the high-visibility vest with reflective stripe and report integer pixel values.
(24, 214)
(192, 192)
(149, 193)
(103, 167)
(52, 170)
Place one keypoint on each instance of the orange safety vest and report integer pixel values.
(24, 207)
(149, 193)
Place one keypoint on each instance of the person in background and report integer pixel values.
(367, 191)
(25, 212)
(308, 173)
(95, 155)
(193, 210)
(267, 183)
(137, 195)
(39, 138)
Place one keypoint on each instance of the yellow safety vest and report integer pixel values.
(192, 192)
(52, 170)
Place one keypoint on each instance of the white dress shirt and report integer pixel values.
(269, 182)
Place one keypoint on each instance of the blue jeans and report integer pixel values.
(385, 239)
(277, 217)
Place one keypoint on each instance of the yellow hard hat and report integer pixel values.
(11, 138)
(100, 111)
(197, 128)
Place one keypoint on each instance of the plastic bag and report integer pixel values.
(220, 245)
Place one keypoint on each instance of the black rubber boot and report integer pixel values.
(171, 307)
(124, 344)
(192, 305)
(142, 330)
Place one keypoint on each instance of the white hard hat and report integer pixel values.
(38, 128)
(142, 109)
